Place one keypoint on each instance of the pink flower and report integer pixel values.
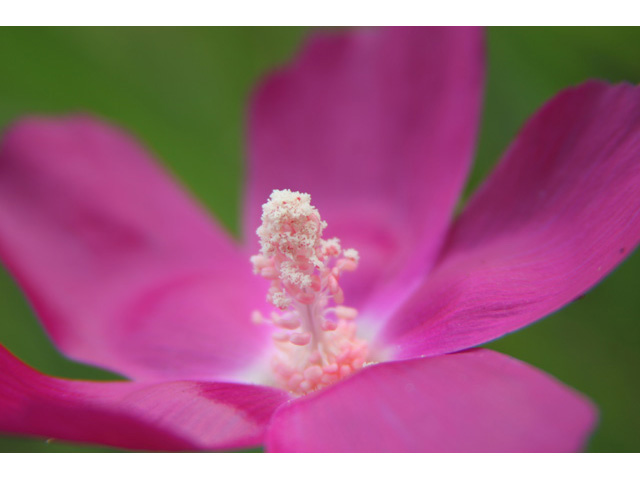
(126, 273)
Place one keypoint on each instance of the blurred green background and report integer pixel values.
(184, 93)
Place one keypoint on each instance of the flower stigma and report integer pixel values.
(315, 341)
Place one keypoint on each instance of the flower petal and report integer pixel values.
(123, 269)
(162, 416)
(378, 125)
(475, 401)
(557, 215)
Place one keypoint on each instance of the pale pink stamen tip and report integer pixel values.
(269, 273)
(345, 370)
(300, 339)
(329, 326)
(290, 323)
(333, 368)
(305, 386)
(313, 373)
(346, 313)
(294, 381)
(281, 336)
(346, 265)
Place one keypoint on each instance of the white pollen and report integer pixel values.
(290, 226)
(351, 254)
(292, 274)
(281, 300)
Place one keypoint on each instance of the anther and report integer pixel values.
(300, 339)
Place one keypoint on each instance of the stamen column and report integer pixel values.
(316, 343)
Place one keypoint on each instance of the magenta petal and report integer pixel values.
(150, 416)
(475, 401)
(122, 267)
(558, 214)
(378, 125)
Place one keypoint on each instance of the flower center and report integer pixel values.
(316, 339)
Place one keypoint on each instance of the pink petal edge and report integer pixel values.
(124, 270)
(474, 401)
(178, 415)
(557, 215)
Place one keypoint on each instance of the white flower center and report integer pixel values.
(316, 342)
